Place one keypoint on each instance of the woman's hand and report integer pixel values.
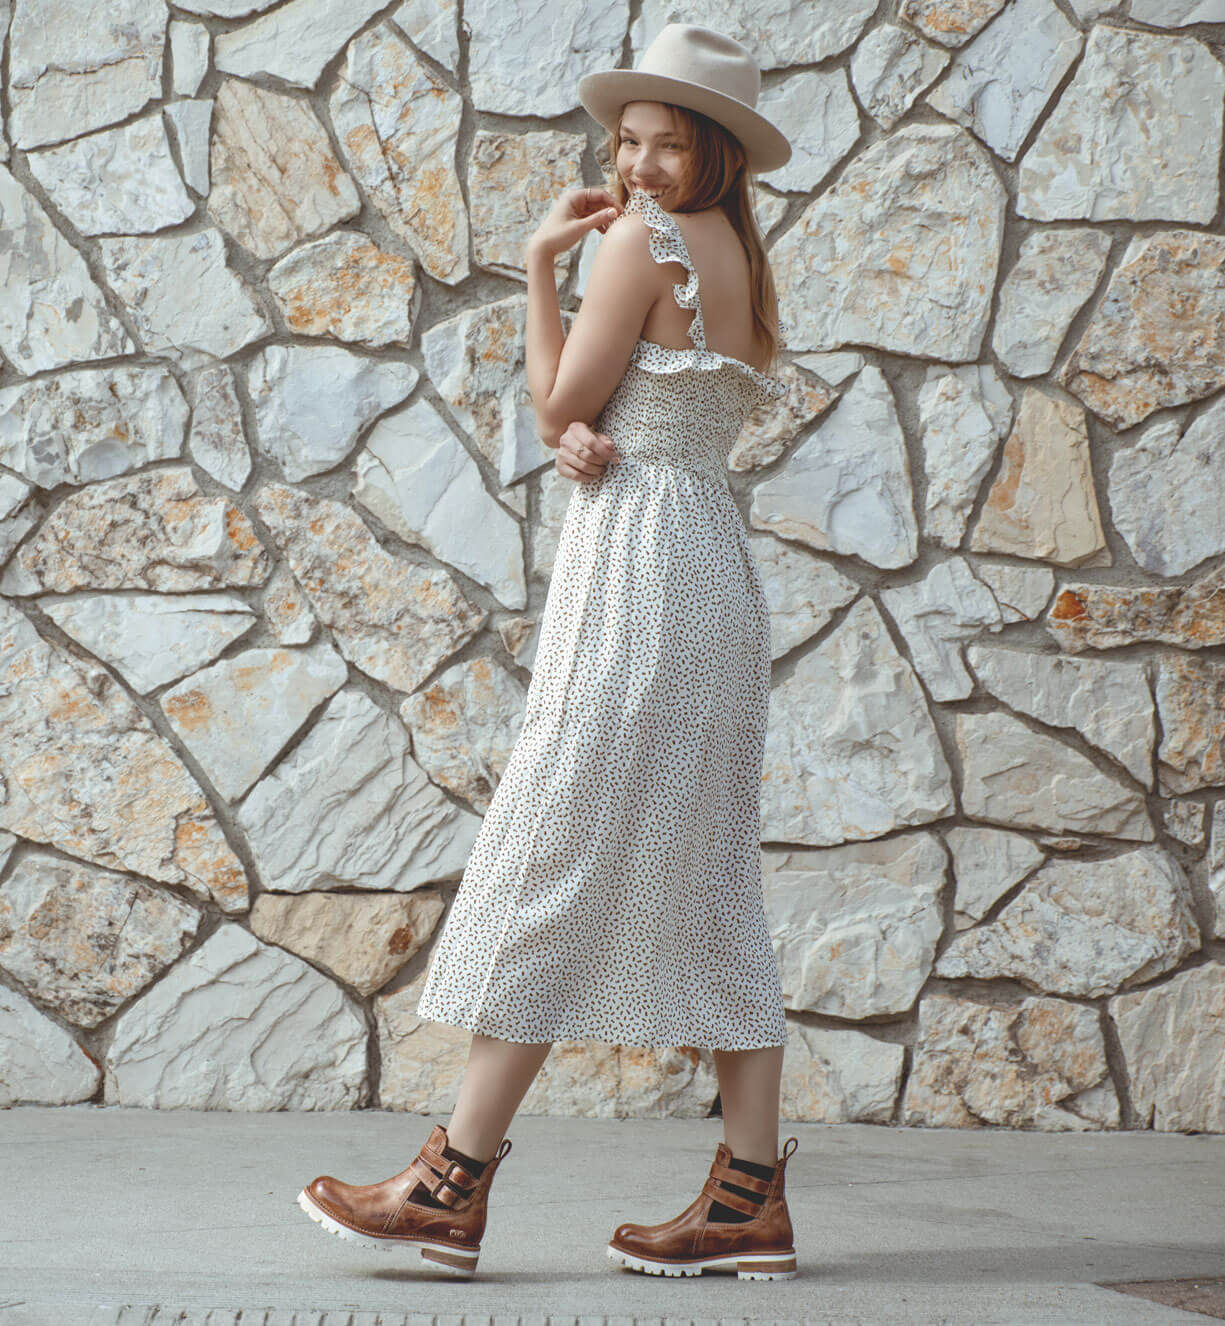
(575, 213)
(582, 454)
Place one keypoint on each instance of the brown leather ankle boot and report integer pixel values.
(381, 1215)
(760, 1248)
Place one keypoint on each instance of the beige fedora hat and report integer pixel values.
(702, 70)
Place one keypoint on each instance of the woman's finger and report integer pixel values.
(578, 463)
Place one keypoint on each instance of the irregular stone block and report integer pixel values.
(75, 65)
(831, 1075)
(1191, 703)
(415, 476)
(771, 428)
(1000, 83)
(397, 124)
(592, 1080)
(1165, 492)
(1021, 591)
(868, 262)
(40, 1063)
(965, 414)
(154, 530)
(1135, 356)
(1177, 13)
(349, 807)
(1043, 504)
(1055, 273)
(189, 44)
(1173, 1041)
(116, 181)
(85, 940)
(847, 487)
(475, 361)
(950, 22)
(150, 276)
(816, 111)
(295, 42)
(192, 122)
(524, 61)
(520, 636)
(1109, 704)
(395, 620)
(1014, 775)
(851, 751)
(890, 68)
(432, 28)
(51, 312)
(555, 492)
(152, 639)
(240, 1025)
(1105, 616)
(1216, 868)
(1085, 928)
(421, 1063)
(312, 401)
(1022, 1064)
(802, 591)
(465, 725)
(935, 615)
(287, 609)
(84, 770)
(1135, 136)
(238, 715)
(217, 441)
(345, 288)
(19, 513)
(854, 928)
(91, 423)
(1184, 820)
(361, 939)
(514, 180)
(986, 864)
(275, 179)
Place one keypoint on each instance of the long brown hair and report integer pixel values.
(719, 177)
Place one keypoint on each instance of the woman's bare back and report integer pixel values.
(723, 278)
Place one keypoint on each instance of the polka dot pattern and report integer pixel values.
(613, 892)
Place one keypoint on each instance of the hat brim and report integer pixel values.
(604, 93)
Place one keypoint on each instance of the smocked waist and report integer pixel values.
(695, 468)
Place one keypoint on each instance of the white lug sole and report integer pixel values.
(442, 1257)
(748, 1266)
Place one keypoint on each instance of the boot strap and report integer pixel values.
(740, 1178)
(446, 1180)
(729, 1198)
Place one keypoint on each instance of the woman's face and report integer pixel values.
(654, 154)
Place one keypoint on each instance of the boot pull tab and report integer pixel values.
(503, 1149)
(791, 1143)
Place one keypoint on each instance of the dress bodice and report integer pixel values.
(682, 407)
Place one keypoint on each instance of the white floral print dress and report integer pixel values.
(613, 892)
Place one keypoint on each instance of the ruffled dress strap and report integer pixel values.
(668, 245)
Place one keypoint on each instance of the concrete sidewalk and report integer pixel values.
(105, 1213)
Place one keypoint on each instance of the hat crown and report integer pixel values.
(702, 55)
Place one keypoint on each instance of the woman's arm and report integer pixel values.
(571, 377)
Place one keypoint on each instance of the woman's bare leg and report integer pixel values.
(496, 1078)
(748, 1089)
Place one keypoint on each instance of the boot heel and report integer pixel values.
(766, 1267)
(450, 1262)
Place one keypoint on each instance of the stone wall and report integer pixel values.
(276, 532)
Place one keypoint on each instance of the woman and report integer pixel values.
(614, 889)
